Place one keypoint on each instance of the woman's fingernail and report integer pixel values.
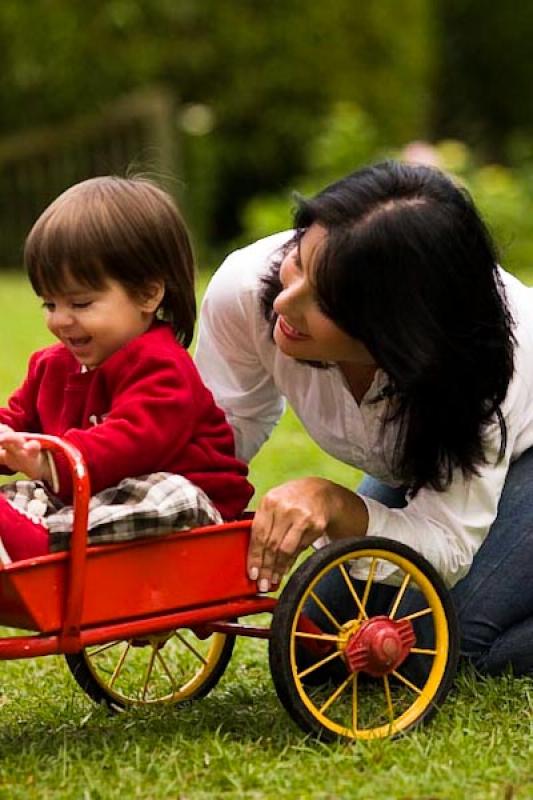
(275, 579)
(253, 573)
(263, 585)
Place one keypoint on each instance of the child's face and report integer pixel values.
(95, 323)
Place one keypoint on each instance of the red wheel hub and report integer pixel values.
(379, 646)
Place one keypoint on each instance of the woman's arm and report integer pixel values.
(234, 346)
(447, 528)
(293, 516)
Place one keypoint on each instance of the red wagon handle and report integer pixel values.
(81, 492)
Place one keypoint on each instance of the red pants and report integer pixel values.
(21, 536)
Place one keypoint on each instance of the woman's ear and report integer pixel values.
(152, 296)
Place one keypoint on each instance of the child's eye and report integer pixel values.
(48, 306)
(86, 304)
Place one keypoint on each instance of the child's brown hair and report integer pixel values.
(126, 229)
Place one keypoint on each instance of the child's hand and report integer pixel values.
(21, 455)
(4, 429)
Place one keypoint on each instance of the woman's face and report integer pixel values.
(302, 330)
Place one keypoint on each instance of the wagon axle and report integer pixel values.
(379, 646)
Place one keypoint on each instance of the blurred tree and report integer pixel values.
(267, 72)
(347, 139)
(486, 67)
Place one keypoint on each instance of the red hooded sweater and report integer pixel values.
(144, 409)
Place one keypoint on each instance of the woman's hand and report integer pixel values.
(22, 455)
(293, 516)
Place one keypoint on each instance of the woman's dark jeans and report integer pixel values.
(494, 601)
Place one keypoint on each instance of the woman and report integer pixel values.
(406, 351)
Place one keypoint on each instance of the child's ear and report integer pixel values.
(152, 296)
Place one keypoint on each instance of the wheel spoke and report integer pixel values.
(325, 610)
(423, 651)
(399, 596)
(338, 691)
(322, 637)
(318, 664)
(388, 698)
(190, 647)
(167, 671)
(353, 592)
(149, 670)
(368, 586)
(407, 682)
(423, 613)
(119, 665)
(103, 648)
(354, 704)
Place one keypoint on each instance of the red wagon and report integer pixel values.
(154, 621)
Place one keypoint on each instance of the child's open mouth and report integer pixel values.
(78, 343)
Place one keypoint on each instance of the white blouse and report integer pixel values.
(250, 379)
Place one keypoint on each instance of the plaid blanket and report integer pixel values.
(137, 507)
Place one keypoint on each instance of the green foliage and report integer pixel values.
(483, 88)
(349, 138)
(503, 194)
(266, 71)
(268, 74)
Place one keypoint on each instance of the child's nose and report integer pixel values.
(60, 318)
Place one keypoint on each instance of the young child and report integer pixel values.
(112, 261)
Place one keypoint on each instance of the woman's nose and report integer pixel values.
(289, 284)
(283, 301)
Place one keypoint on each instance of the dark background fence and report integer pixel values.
(136, 133)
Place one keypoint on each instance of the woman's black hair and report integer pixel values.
(409, 268)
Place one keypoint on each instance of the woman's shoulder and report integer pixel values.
(231, 304)
(516, 290)
(517, 406)
(519, 297)
(242, 269)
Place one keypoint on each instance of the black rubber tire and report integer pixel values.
(78, 664)
(287, 607)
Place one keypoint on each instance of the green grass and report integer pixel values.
(238, 742)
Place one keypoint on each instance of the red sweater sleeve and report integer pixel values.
(20, 412)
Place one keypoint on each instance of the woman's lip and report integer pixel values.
(290, 332)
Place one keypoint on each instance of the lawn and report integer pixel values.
(238, 741)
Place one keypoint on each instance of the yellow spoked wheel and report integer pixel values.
(364, 641)
(168, 668)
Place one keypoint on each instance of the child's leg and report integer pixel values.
(21, 536)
